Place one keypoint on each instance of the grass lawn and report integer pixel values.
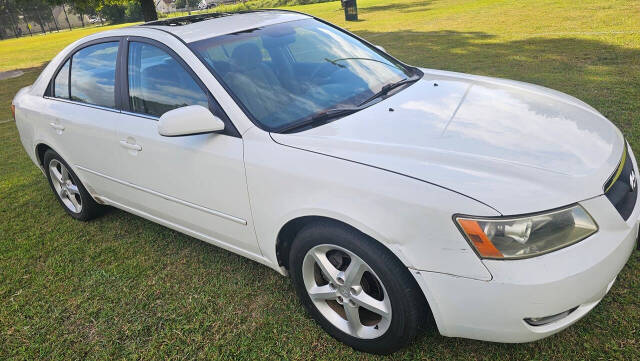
(33, 51)
(123, 287)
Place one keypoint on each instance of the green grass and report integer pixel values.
(123, 287)
(36, 50)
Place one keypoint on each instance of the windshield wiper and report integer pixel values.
(335, 61)
(322, 117)
(389, 87)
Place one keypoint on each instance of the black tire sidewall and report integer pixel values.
(89, 206)
(405, 302)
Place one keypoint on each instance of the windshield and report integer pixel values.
(287, 73)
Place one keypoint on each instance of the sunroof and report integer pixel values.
(186, 20)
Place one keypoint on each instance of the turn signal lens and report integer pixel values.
(527, 236)
(479, 239)
(13, 111)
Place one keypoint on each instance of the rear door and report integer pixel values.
(195, 182)
(82, 103)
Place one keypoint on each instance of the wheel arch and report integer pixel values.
(40, 149)
(290, 229)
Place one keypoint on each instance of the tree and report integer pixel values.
(92, 7)
(181, 4)
(62, 4)
(148, 10)
(85, 7)
(128, 10)
(5, 8)
(33, 11)
(114, 13)
(133, 11)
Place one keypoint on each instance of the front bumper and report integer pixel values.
(576, 276)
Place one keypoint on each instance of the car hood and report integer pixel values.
(514, 146)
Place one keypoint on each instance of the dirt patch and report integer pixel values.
(10, 74)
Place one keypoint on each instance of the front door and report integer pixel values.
(195, 182)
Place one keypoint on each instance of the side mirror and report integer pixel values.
(189, 120)
(380, 48)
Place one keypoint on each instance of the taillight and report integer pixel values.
(13, 111)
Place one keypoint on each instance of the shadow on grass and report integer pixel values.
(400, 7)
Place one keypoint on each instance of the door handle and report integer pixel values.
(128, 145)
(56, 126)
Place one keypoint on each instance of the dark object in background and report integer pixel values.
(350, 10)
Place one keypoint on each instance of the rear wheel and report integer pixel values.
(355, 288)
(73, 196)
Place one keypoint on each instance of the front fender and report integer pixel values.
(410, 217)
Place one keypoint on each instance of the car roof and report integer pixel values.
(197, 27)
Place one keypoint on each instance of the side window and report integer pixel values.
(93, 74)
(61, 82)
(158, 83)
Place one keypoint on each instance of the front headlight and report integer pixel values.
(527, 236)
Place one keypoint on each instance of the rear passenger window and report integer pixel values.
(158, 83)
(93, 74)
(61, 82)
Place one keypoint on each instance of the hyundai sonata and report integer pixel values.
(393, 196)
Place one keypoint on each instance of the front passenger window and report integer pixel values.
(158, 83)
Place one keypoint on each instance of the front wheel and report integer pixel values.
(355, 288)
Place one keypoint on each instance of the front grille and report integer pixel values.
(622, 187)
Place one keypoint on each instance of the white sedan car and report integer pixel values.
(393, 196)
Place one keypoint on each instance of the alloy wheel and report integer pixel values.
(65, 186)
(346, 291)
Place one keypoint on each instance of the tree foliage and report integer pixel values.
(114, 11)
(181, 4)
(33, 12)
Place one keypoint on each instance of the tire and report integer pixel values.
(68, 189)
(385, 285)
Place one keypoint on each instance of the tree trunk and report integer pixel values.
(53, 16)
(39, 19)
(66, 17)
(148, 10)
(82, 19)
(26, 19)
(15, 26)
